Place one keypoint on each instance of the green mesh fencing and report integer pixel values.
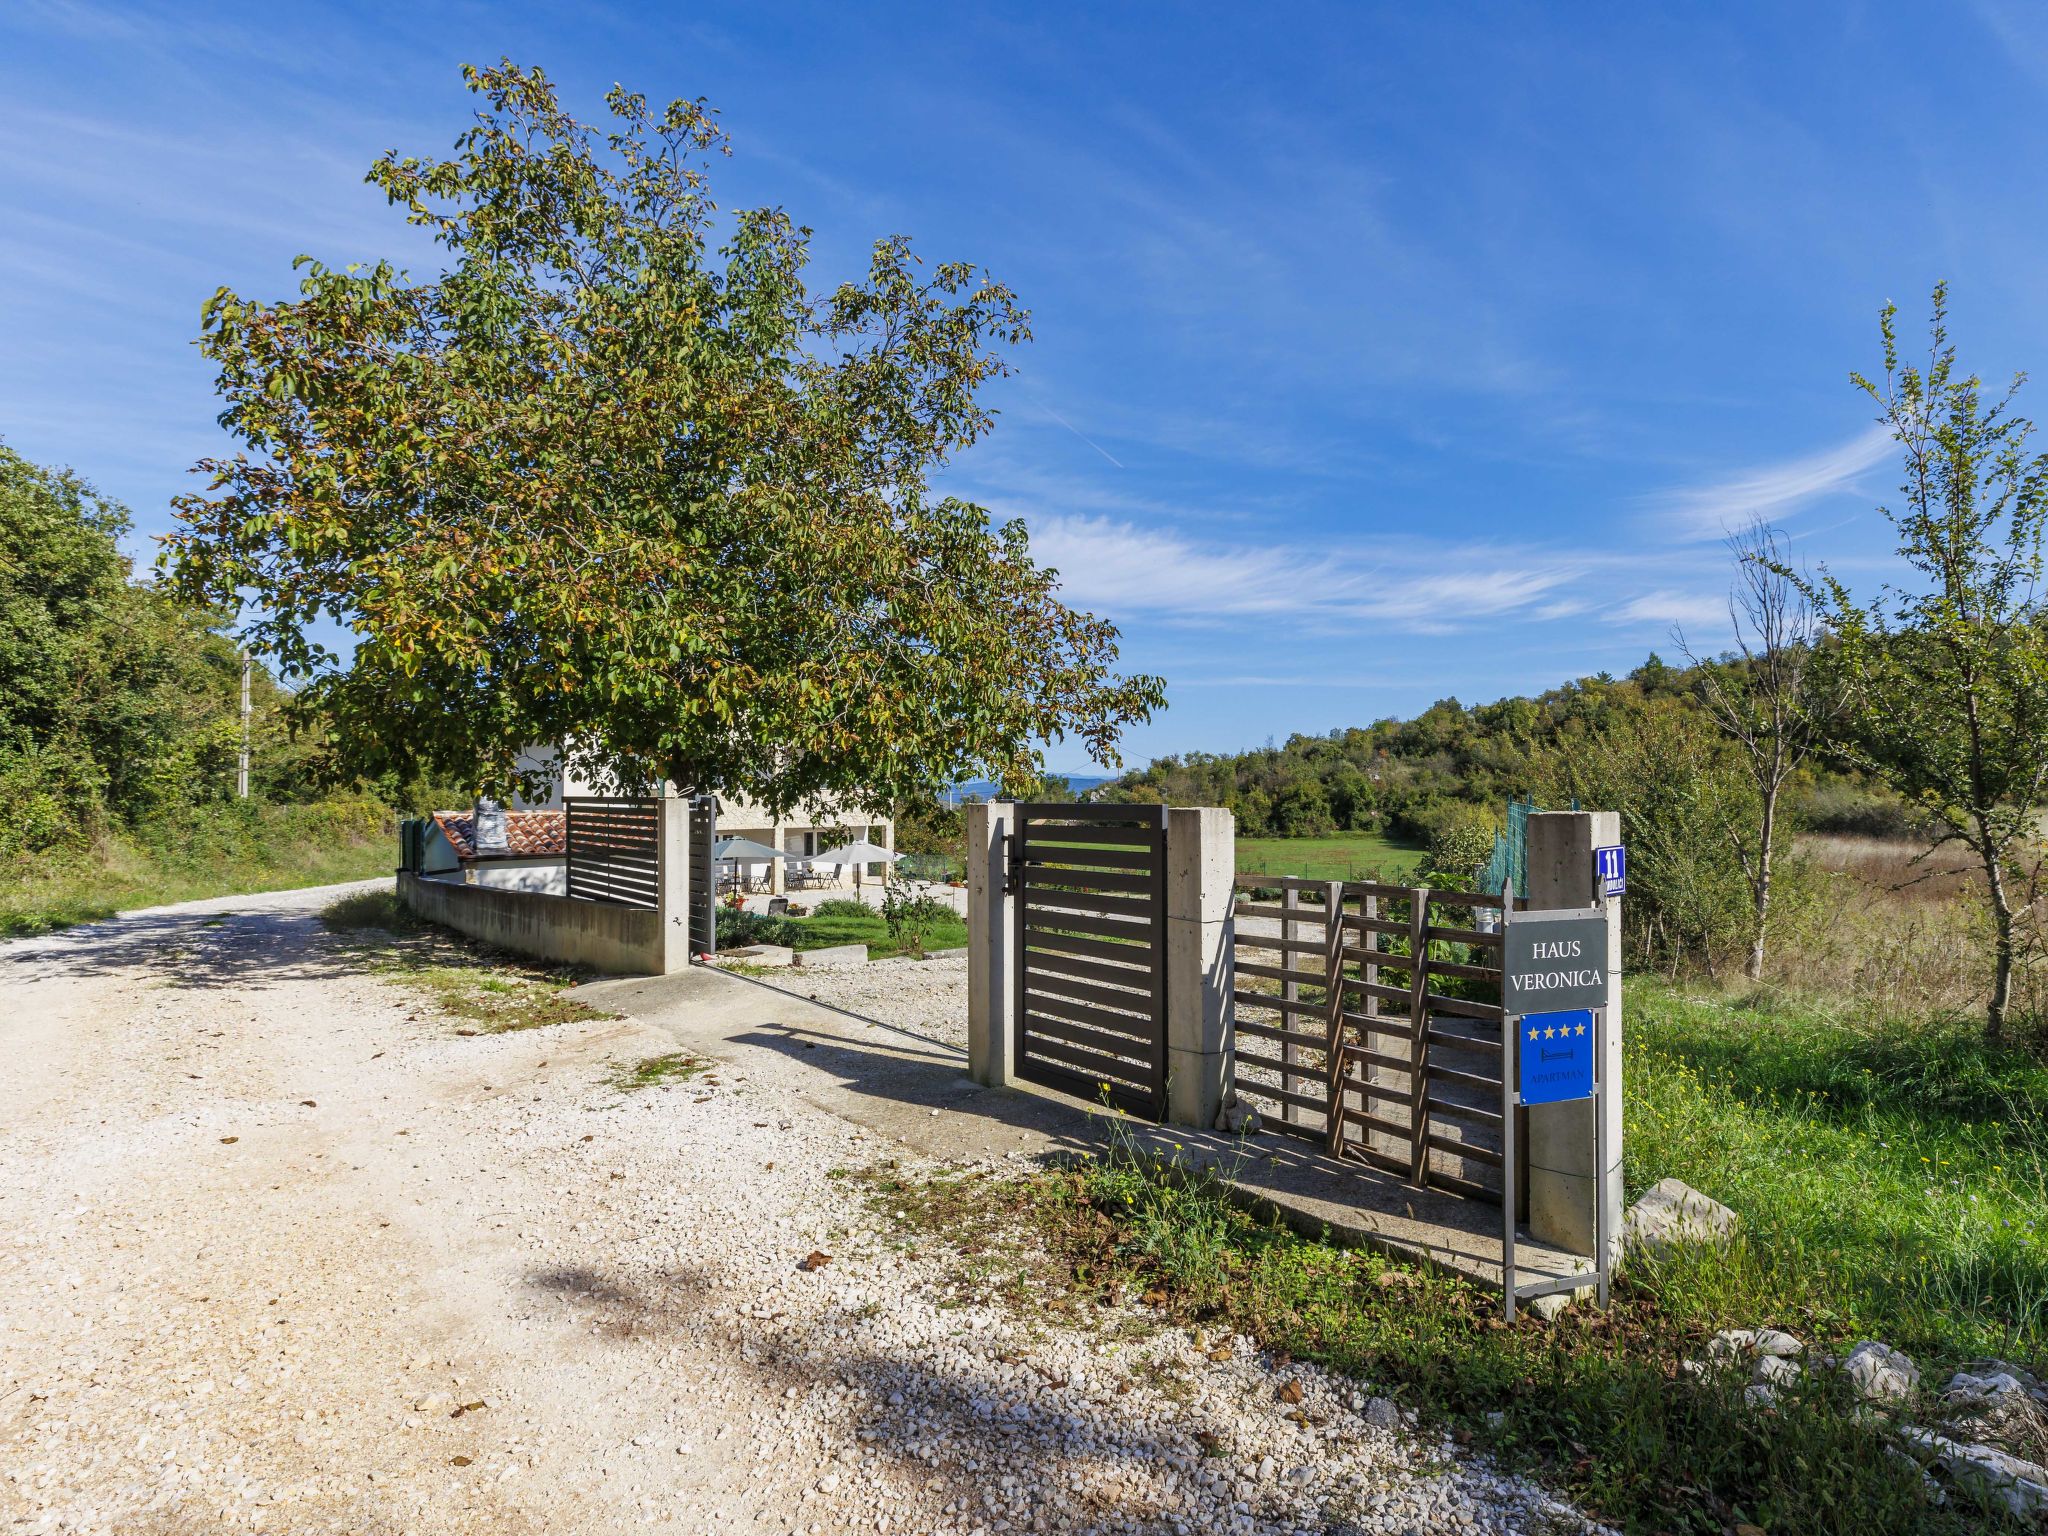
(1510, 861)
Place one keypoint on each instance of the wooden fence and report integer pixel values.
(1368, 1021)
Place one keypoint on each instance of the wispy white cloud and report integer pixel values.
(1771, 492)
(1668, 608)
(1122, 568)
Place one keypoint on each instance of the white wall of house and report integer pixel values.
(550, 877)
(438, 856)
(439, 861)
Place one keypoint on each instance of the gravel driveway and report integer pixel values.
(280, 1251)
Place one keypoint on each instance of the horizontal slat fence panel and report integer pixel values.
(703, 875)
(614, 850)
(1090, 883)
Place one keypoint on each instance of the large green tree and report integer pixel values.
(616, 477)
(1951, 668)
(115, 701)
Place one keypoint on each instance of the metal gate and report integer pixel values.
(1089, 883)
(703, 875)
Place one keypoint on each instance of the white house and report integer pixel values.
(534, 856)
(801, 833)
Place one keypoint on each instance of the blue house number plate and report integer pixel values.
(1557, 1056)
(1610, 868)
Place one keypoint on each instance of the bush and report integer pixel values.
(912, 915)
(1672, 776)
(1435, 820)
(738, 929)
(1458, 849)
(842, 906)
(1843, 811)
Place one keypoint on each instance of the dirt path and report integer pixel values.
(282, 1252)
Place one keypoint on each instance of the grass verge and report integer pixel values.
(1892, 1182)
(222, 851)
(486, 989)
(838, 921)
(1892, 1178)
(1597, 1404)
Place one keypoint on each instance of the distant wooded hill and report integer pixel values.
(1454, 766)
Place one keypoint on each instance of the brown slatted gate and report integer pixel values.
(614, 850)
(1342, 989)
(1089, 883)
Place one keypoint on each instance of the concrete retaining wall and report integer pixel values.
(622, 941)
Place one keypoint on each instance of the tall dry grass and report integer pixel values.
(1890, 929)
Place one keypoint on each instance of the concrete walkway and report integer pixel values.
(916, 1090)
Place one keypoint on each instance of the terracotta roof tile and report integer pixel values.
(532, 834)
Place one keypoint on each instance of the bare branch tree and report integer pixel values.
(1771, 699)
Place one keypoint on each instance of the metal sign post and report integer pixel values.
(1554, 1020)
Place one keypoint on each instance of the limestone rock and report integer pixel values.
(1999, 1406)
(1989, 1378)
(1994, 1390)
(1670, 1214)
(1776, 1370)
(1747, 1343)
(2020, 1487)
(1237, 1119)
(1880, 1374)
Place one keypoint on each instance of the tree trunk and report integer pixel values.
(1753, 968)
(2001, 981)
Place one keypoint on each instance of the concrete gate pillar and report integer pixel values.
(1561, 1143)
(673, 865)
(1201, 862)
(991, 946)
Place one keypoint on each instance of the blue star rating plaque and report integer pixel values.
(1556, 1056)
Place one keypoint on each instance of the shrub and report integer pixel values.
(842, 906)
(1458, 848)
(1847, 812)
(912, 914)
(737, 929)
(1671, 774)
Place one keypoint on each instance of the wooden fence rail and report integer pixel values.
(1368, 1020)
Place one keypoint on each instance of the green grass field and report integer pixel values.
(1892, 1176)
(1345, 856)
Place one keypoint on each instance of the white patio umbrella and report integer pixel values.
(854, 853)
(737, 848)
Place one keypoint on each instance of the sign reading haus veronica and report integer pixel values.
(1555, 961)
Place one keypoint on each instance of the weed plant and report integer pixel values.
(468, 983)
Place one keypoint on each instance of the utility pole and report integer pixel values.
(242, 769)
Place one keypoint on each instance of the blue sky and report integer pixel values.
(1383, 353)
